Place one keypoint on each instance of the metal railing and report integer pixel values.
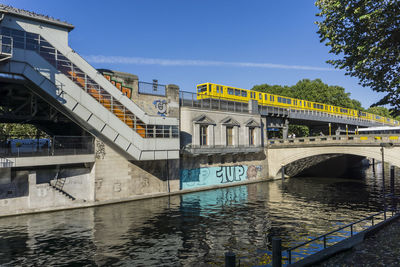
(333, 115)
(24, 146)
(337, 139)
(151, 89)
(325, 240)
(6, 47)
(188, 99)
(35, 42)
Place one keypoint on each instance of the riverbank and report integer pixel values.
(380, 249)
(89, 204)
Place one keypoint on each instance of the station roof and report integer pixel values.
(5, 9)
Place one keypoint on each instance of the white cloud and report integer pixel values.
(189, 62)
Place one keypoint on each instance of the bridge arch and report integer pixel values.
(278, 157)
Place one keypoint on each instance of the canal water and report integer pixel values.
(193, 229)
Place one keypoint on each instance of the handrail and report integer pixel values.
(335, 139)
(371, 217)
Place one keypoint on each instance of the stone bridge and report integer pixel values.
(305, 152)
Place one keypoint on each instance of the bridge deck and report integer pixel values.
(337, 140)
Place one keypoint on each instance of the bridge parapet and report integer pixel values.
(352, 140)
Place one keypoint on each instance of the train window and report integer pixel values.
(244, 93)
(217, 89)
(288, 101)
(201, 88)
(271, 98)
(259, 96)
(230, 91)
(279, 99)
(237, 92)
(343, 110)
(265, 97)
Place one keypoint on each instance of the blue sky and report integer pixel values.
(237, 43)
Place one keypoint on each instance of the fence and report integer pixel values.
(323, 241)
(24, 146)
(152, 89)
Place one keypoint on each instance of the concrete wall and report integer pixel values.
(218, 120)
(118, 178)
(164, 106)
(217, 170)
(41, 196)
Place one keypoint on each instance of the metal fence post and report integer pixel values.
(276, 252)
(230, 259)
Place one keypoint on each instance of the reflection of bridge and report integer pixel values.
(283, 152)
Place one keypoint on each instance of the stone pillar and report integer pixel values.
(196, 134)
(253, 106)
(337, 132)
(285, 129)
(172, 94)
(5, 175)
(32, 182)
(210, 136)
(236, 137)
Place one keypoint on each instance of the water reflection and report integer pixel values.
(192, 229)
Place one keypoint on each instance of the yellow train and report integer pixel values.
(212, 90)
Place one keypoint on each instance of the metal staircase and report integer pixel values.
(58, 184)
(90, 98)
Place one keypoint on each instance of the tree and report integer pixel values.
(313, 90)
(14, 130)
(381, 111)
(365, 35)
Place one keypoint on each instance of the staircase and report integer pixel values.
(97, 105)
(58, 185)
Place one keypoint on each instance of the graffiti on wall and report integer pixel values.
(192, 178)
(161, 106)
(123, 88)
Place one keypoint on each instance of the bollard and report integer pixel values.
(276, 252)
(230, 259)
(392, 180)
(283, 172)
(392, 189)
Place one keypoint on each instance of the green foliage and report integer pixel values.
(15, 130)
(299, 130)
(313, 90)
(365, 37)
(382, 111)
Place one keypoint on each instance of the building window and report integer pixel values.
(203, 135)
(251, 136)
(229, 135)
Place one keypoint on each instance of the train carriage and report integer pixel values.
(218, 91)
